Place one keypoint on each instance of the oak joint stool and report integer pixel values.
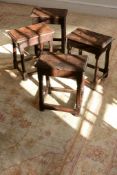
(95, 43)
(52, 16)
(33, 35)
(66, 66)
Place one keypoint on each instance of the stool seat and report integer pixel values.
(90, 39)
(52, 16)
(32, 35)
(48, 13)
(61, 65)
(94, 43)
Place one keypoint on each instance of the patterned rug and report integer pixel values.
(53, 142)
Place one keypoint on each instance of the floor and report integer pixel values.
(53, 142)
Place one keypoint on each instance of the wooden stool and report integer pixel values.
(52, 16)
(61, 65)
(37, 34)
(94, 43)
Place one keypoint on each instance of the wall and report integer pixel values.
(100, 7)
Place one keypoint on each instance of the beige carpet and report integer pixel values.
(49, 142)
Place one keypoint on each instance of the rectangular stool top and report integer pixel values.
(89, 38)
(67, 64)
(28, 32)
(43, 12)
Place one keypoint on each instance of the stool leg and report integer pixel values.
(48, 89)
(69, 48)
(107, 62)
(15, 64)
(23, 66)
(37, 50)
(41, 98)
(63, 34)
(95, 71)
(80, 52)
(80, 84)
(51, 45)
(47, 77)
